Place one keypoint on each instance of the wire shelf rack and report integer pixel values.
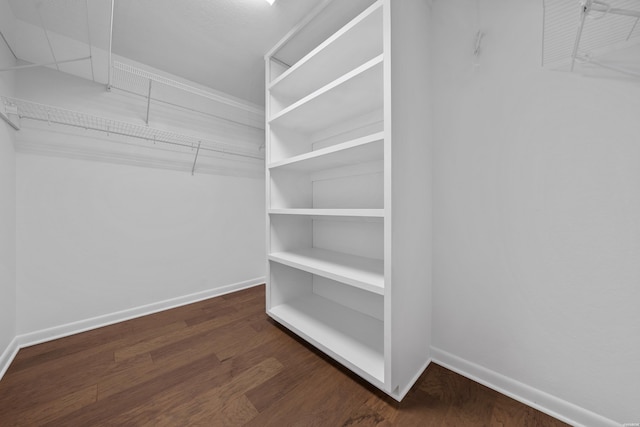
(581, 31)
(54, 115)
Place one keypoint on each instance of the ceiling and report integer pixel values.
(216, 43)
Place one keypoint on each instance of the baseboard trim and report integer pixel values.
(50, 334)
(8, 355)
(530, 396)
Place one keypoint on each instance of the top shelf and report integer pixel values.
(356, 93)
(357, 42)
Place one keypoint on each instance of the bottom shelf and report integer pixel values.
(352, 338)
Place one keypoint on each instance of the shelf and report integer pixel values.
(354, 94)
(352, 338)
(361, 150)
(360, 272)
(591, 37)
(357, 42)
(364, 213)
(28, 110)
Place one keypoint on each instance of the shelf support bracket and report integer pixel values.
(7, 119)
(8, 45)
(193, 168)
(585, 6)
(93, 76)
(110, 64)
(633, 28)
(148, 102)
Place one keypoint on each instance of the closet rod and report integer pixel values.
(53, 115)
(193, 110)
(163, 141)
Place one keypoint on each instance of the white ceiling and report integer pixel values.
(217, 43)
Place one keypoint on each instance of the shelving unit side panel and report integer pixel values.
(388, 217)
(360, 238)
(285, 143)
(411, 147)
(274, 70)
(290, 232)
(271, 70)
(356, 127)
(356, 299)
(288, 284)
(290, 190)
(355, 191)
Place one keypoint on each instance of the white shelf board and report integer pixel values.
(354, 94)
(360, 150)
(352, 338)
(360, 272)
(357, 42)
(364, 213)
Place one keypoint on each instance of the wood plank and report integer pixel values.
(135, 395)
(53, 409)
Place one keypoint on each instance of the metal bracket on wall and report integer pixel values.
(193, 169)
(148, 102)
(4, 115)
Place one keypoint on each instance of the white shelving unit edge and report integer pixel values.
(360, 272)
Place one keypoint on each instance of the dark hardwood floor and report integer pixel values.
(223, 362)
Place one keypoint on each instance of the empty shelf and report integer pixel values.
(354, 339)
(364, 213)
(360, 272)
(357, 93)
(353, 45)
(361, 150)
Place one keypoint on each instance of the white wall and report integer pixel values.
(98, 240)
(537, 214)
(7, 216)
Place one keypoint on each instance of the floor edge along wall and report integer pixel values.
(530, 396)
(61, 331)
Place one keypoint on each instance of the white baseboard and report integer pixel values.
(7, 356)
(49, 334)
(530, 396)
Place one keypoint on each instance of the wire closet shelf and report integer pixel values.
(580, 32)
(54, 115)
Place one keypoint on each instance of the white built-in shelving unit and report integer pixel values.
(348, 194)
